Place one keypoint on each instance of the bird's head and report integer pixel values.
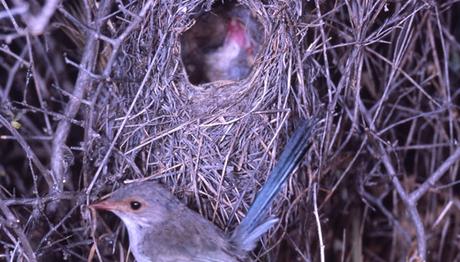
(140, 204)
(236, 31)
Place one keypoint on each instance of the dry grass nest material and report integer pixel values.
(81, 112)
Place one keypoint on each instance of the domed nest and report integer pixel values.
(212, 138)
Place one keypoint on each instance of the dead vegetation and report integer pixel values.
(93, 94)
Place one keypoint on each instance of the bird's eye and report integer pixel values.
(135, 205)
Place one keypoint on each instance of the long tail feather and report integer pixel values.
(256, 222)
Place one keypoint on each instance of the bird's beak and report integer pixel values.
(105, 205)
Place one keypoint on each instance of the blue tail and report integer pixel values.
(256, 222)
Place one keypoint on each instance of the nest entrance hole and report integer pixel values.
(222, 44)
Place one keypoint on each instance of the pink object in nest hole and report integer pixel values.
(221, 45)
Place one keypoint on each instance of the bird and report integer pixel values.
(162, 228)
(234, 58)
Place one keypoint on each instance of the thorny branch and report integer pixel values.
(13, 223)
(83, 83)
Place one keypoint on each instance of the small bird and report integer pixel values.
(234, 58)
(161, 228)
(221, 45)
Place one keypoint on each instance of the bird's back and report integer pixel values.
(186, 236)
